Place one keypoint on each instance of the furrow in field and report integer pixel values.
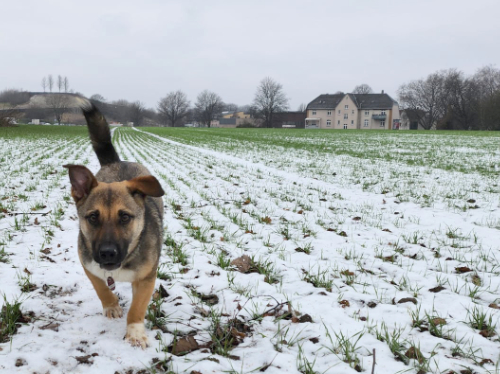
(437, 172)
(383, 267)
(353, 260)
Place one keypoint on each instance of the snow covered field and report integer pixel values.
(357, 243)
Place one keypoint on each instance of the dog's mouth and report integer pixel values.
(110, 267)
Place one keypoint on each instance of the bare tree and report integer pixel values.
(302, 108)
(8, 100)
(136, 113)
(424, 98)
(44, 83)
(66, 84)
(58, 103)
(173, 108)
(8, 116)
(270, 99)
(98, 97)
(450, 100)
(59, 83)
(150, 117)
(14, 97)
(461, 97)
(362, 89)
(490, 112)
(244, 108)
(50, 82)
(231, 107)
(208, 107)
(488, 79)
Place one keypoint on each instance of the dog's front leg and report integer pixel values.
(110, 306)
(142, 291)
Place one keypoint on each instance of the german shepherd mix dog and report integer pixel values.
(120, 210)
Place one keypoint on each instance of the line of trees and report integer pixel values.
(269, 99)
(445, 99)
(174, 109)
(450, 100)
(62, 83)
(125, 111)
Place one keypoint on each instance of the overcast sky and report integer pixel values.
(141, 50)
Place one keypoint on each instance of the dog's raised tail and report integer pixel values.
(100, 134)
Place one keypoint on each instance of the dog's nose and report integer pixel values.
(108, 253)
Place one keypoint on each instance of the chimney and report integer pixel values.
(382, 91)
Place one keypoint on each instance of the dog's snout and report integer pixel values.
(108, 253)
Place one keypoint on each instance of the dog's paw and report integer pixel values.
(114, 311)
(136, 335)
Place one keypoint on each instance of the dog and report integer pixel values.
(120, 212)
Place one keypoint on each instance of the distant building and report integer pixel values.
(410, 119)
(224, 122)
(235, 115)
(291, 120)
(235, 121)
(353, 111)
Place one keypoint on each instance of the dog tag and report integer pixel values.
(111, 283)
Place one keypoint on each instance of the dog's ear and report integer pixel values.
(82, 181)
(147, 185)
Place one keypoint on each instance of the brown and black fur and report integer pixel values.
(120, 212)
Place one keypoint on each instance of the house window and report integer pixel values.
(352, 122)
(382, 112)
(346, 106)
(313, 112)
(345, 126)
(338, 123)
(329, 113)
(346, 116)
(366, 123)
(328, 123)
(382, 123)
(339, 111)
(367, 113)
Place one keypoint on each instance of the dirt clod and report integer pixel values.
(438, 321)
(437, 289)
(160, 294)
(86, 359)
(242, 264)
(183, 346)
(305, 318)
(345, 303)
(208, 299)
(415, 354)
(462, 269)
(408, 300)
(487, 333)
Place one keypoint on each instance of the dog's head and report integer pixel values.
(111, 214)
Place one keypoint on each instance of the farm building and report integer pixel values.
(353, 111)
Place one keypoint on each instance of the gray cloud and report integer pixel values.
(142, 50)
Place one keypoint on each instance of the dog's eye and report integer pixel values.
(125, 218)
(93, 218)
